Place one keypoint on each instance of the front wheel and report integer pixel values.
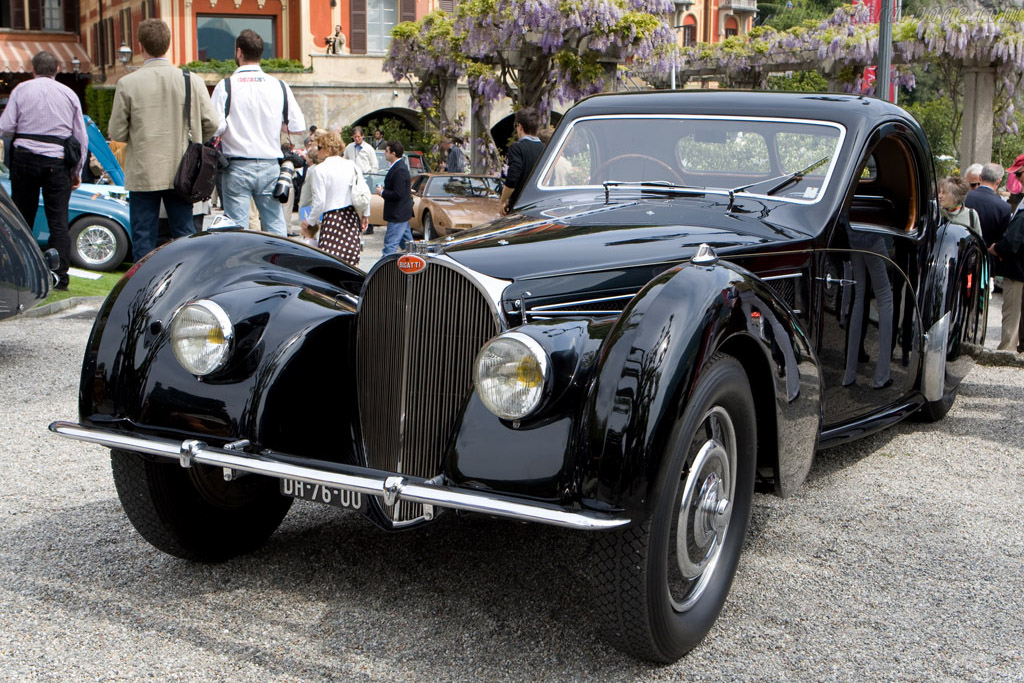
(664, 580)
(192, 512)
(98, 243)
(429, 232)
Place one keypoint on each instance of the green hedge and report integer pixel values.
(98, 102)
(228, 66)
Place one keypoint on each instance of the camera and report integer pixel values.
(284, 181)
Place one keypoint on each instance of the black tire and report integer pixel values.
(650, 608)
(98, 243)
(193, 513)
(429, 232)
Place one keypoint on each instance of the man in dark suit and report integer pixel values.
(397, 199)
(522, 157)
(993, 212)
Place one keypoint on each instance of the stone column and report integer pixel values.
(976, 127)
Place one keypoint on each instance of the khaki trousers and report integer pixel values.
(1011, 312)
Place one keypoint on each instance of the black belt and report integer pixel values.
(250, 159)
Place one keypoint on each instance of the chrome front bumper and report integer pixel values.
(391, 488)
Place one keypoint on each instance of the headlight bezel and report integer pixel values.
(227, 330)
(537, 351)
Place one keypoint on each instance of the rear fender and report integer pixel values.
(652, 359)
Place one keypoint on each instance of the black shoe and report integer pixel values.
(885, 385)
(61, 287)
(369, 231)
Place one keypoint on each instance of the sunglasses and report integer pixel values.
(973, 185)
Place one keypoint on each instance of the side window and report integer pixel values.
(572, 166)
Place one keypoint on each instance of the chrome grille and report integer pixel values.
(416, 339)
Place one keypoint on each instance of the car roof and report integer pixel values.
(855, 112)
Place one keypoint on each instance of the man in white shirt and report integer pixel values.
(254, 109)
(362, 153)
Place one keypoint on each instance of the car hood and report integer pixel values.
(598, 236)
(472, 209)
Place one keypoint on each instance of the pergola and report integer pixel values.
(978, 101)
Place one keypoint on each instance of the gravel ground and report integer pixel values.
(902, 558)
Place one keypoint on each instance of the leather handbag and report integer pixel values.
(196, 177)
(360, 192)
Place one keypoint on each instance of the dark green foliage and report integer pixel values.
(776, 14)
(98, 102)
(799, 81)
(395, 129)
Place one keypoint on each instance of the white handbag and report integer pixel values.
(360, 192)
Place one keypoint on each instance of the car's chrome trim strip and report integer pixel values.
(348, 477)
(581, 302)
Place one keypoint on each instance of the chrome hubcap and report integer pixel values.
(704, 510)
(96, 244)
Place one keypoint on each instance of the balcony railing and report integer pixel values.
(739, 6)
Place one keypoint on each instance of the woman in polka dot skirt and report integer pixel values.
(340, 225)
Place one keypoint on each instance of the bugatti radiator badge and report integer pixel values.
(410, 264)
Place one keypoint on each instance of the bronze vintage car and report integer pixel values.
(444, 203)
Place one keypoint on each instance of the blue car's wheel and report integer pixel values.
(97, 243)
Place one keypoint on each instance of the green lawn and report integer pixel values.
(80, 286)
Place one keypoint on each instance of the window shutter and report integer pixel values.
(71, 18)
(94, 35)
(357, 27)
(17, 15)
(407, 9)
(446, 5)
(35, 15)
(108, 41)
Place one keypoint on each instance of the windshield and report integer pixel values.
(714, 153)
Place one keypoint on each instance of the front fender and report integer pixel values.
(292, 308)
(651, 361)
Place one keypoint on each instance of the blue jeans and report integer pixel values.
(396, 236)
(144, 211)
(243, 180)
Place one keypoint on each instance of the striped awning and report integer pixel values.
(16, 55)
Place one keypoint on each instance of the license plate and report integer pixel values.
(318, 493)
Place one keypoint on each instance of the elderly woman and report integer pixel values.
(952, 191)
(332, 208)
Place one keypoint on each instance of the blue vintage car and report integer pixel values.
(98, 218)
(100, 229)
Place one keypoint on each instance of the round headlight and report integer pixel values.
(510, 374)
(201, 335)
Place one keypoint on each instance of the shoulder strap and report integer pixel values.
(227, 102)
(284, 94)
(188, 103)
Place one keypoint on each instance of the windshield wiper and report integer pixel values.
(659, 186)
(786, 179)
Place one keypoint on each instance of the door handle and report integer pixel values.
(829, 280)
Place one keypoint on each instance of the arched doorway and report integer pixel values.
(407, 118)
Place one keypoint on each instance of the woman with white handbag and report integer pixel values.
(341, 201)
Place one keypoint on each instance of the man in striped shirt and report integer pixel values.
(43, 114)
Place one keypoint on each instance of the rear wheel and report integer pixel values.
(664, 580)
(192, 512)
(98, 243)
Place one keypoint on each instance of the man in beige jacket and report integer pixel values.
(149, 115)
